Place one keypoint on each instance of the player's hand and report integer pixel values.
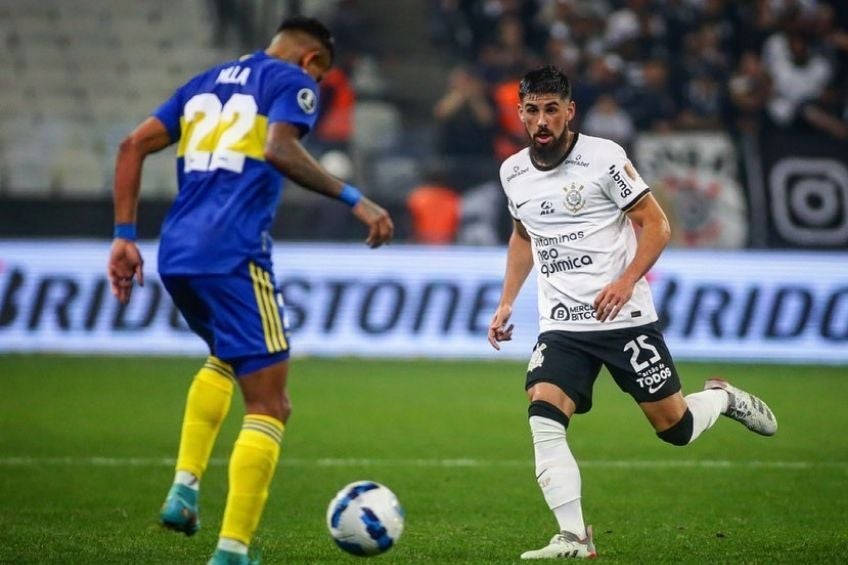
(498, 330)
(612, 299)
(125, 263)
(380, 225)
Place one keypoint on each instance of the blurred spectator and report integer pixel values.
(650, 104)
(798, 74)
(703, 105)
(636, 31)
(749, 89)
(449, 25)
(511, 136)
(602, 76)
(233, 24)
(586, 27)
(465, 128)
(564, 54)
(828, 113)
(579, 22)
(334, 127)
(351, 29)
(825, 26)
(701, 54)
(758, 20)
(368, 78)
(607, 119)
(465, 116)
(467, 25)
(434, 207)
(681, 17)
(507, 53)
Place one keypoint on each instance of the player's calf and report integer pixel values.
(680, 433)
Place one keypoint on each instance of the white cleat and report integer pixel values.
(746, 408)
(565, 545)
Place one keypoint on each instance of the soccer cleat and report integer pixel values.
(565, 545)
(746, 408)
(221, 557)
(179, 512)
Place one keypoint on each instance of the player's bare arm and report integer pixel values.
(125, 261)
(653, 237)
(284, 150)
(519, 261)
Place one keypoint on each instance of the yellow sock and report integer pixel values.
(252, 466)
(206, 407)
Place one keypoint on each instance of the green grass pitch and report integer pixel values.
(86, 445)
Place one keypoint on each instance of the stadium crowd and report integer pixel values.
(745, 68)
(741, 67)
(654, 65)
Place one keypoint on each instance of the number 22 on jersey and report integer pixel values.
(213, 132)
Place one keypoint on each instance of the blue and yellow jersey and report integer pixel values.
(228, 193)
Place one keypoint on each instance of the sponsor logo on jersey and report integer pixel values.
(538, 357)
(655, 381)
(542, 241)
(516, 172)
(618, 179)
(574, 201)
(577, 161)
(562, 313)
(306, 100)
(556, 264)
(517, 206)
(547, 208)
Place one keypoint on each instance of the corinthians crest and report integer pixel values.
(538, 357)
(574, 201)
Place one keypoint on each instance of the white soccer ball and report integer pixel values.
(365, 518)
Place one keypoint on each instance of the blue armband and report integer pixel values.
(125, 231)
(350, 195)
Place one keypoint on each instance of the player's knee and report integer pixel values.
(681, 432)
(547, 410)
(278, 407)
(281, 407)
(285, 409)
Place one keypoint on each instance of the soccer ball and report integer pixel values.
(365, 518)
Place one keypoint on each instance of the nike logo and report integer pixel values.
(653, 389)
(517, 206)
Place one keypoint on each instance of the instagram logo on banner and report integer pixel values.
(809, 201)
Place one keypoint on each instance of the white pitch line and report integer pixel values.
(25, 461)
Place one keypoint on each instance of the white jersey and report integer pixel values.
(581, 238)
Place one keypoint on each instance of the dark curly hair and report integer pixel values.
(545, 80)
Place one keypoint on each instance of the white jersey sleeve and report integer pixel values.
(623, 184)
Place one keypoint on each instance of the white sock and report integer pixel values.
(187, 479)
(231, 545)
(706, 406)
(557, 474)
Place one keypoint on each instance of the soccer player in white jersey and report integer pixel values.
(574, 200)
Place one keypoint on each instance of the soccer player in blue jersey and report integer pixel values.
(237, 127)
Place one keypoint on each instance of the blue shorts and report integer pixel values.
(239, 315)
